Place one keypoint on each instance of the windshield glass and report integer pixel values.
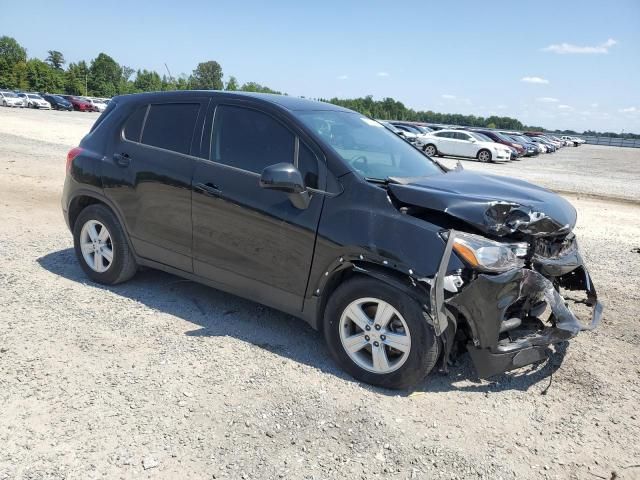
(9, 94)
(368, 147)
(480, 136)
(37, 97)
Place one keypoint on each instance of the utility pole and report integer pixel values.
(170, 76)
(86, 92)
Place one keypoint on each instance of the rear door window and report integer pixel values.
(250, 140)
(170, 126)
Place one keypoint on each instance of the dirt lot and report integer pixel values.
(163, 378)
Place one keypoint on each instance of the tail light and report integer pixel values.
(73, 153)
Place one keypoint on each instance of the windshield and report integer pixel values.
(367, 146)
(37, 97)
(58, 98)
(480, 136)
(9, 94)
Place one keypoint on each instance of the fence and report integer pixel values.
(613, 141)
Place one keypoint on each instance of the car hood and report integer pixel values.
(495, 205)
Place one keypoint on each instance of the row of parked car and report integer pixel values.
(483, 144)
(48, 101)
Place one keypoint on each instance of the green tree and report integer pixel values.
(19, 74)
(104, 76)
(232, 84)
(256, 87)
(75, 78)
(207, 76)
(43, 78)
(11, 54)
(11, 51)
(55, 59)
(147, 81)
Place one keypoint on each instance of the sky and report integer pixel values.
(569, 65)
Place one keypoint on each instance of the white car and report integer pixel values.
(575, 141)
(460, 143)
(10, 99)
(97, 104)
(36, 101)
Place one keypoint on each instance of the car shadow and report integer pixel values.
(219, 314)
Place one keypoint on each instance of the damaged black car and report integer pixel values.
(321, 212)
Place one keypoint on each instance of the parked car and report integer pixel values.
(575, 141)
(503, 139)
(530, 148)
(459, 143)
(97, 104)
(405, 134)
(10, 99)
(36, 101)
(323, 213)
(78, 103)
(549, 147)
(57, 102)
(417, 129)
(23, 96)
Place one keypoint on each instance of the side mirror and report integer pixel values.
(285, 177)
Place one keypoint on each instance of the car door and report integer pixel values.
(464, 146)
(147, 174)
(254, 241)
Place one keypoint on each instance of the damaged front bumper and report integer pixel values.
(506, 312)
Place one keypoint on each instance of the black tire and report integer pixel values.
(123, 265)
(482, 156)
(430, 147)
(424, 350)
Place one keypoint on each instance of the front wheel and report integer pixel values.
(484, 156)
(101, 246)
(378, 334)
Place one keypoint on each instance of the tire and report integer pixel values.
(122, 265)
(430, 150)
(4, 103)
(405, 368)
(484, 156)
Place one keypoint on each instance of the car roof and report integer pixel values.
(283, 101)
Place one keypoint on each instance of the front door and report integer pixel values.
(251, 239)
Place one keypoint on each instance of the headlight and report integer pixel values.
(487, 255)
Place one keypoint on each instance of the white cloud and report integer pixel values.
(547, 99)
(448, 96)
(382, 74)
(342, 77)
(564, 48)
(629, 110)
(594, 105)
(501, 107)
(539, 80)
(565, 107)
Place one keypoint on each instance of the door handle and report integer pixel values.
(122, 159)
(208, 189)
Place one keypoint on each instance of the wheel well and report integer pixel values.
(80, 203)
(430, 145)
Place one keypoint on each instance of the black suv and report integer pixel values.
(323, 213)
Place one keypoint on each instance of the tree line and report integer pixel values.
(104, 77)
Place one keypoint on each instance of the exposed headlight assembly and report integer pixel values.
(487, 255)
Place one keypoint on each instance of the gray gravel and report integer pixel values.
(163, 378)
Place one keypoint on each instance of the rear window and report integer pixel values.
(170, 126)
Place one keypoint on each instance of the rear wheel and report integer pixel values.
(378, 334)
(431, 150)
(484, 156)
(101, 246)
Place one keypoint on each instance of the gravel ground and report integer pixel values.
(163, 378)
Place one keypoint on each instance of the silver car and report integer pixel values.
(10, 99)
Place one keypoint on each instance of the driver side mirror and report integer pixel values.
(285, 177)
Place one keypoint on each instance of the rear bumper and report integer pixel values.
(514, 317)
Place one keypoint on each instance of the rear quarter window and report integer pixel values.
(107, 111)
(133, 126)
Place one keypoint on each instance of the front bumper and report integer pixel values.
(515, 316)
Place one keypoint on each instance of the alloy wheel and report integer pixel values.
(96, 246)
(430, 150)
(484, 156)
(374, 335)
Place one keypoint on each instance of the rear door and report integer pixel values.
(464, 146)
(147, 174)
(250, 239)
